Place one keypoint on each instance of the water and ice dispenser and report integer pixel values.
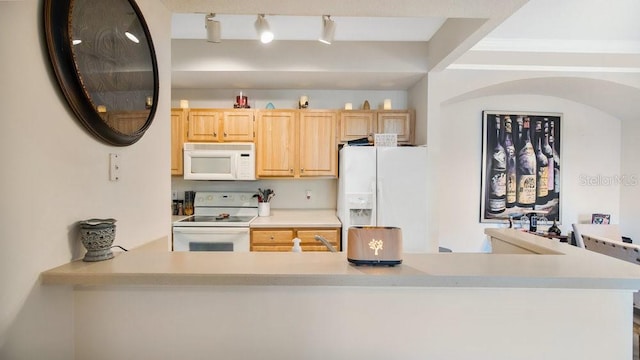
(361, 209)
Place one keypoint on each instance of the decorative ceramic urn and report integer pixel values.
(97, 236)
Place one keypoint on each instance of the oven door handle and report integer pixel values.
(210, 230)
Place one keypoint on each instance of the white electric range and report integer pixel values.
(220, 223)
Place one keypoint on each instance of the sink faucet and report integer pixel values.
(326, 243)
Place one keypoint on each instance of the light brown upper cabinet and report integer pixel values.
(357, 124)
(318, 150)
(178, 124)
(237, 125)
(296, 143)
(215, 125)
(400, 122)
(276, 143)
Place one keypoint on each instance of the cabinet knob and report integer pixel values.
(215, 134)
(302, 170)
(225, 134)
(291, 170)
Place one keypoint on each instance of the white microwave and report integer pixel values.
(219, 161)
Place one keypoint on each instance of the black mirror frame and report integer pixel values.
(57, 20)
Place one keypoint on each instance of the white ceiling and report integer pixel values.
(569, 35)
(581, 21)
(436, 33)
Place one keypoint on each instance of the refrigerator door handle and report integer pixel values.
(374, 203)
(378, 201)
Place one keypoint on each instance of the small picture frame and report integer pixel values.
(602, 219)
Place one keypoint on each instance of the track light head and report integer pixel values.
(328, 30)
(213, 28)
(264, 32)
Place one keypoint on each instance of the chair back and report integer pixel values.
(609, 231)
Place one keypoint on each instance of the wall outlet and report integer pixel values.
(308, 194)
(174, 195)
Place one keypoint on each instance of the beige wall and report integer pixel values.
(591, 132)
(630, 192)
(55, 174)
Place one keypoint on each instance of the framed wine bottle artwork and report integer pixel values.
(520, 166)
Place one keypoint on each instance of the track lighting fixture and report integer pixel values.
(262, 27)
(328, 30)
(213, 28)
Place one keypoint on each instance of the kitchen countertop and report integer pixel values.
(562, 267)
(534, 243)
(175, 218)
(298, 218)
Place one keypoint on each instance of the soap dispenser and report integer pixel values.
(296, 245)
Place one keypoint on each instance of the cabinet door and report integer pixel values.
(356, 125)
(309, 243)
(276, 143)
(204, 125)
(318, 152)
(397, 122)
(177, 140)
(237, 125)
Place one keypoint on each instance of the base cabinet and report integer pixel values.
(281, 239)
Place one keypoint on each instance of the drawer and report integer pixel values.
(309, 243)
(272, 236)
(282, 239)
(308, 236)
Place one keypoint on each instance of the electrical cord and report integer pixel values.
(118, 246)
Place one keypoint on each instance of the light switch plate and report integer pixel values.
(114, 167)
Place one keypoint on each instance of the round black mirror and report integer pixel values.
(105, 63)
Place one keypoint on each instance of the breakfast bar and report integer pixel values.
(152, 303)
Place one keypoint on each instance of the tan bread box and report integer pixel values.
(374, 245)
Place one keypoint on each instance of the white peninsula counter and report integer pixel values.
(563, 303)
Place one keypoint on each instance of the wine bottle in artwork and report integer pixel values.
(497, 175)
(542, 167)
(548, 152)
(526, 169)
(510, 151)
(553, 140)
(519, 132)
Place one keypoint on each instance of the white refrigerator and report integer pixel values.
(385, 186)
